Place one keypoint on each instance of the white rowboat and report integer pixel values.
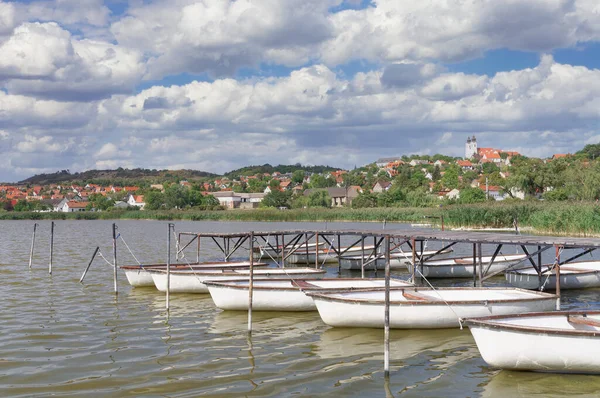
(139, 275)
(284, 295)
(565, 341)
(273, 251)
(425, 308)
(462, 267)
(577, 275)
(193, 281)
(398, 260)
(326, 255)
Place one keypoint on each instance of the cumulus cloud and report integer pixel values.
(44, 60)
(67, 12)
(220, 36)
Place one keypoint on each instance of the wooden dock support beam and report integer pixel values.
(557, 260)
(114, 234)
(251, 283)
(32, 245)
(51, 247)
(168, 294)
(386, 332)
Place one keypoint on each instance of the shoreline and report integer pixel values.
(545, 218)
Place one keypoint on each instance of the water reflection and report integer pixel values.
(530, 384)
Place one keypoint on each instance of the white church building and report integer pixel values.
(471, 147)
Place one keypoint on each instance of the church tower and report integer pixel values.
(471, 147)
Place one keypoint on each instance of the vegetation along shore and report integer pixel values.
(560, 218)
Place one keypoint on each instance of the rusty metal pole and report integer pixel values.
(339, 250)
(168, 296)
(474, 264)
(479, 264)
(283, 250)
(32, 245)
(386, 332)
(414, 260)
(251, 283)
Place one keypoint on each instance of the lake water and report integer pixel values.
(63, 338)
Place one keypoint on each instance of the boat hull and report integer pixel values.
(267, 297)
(411, 315)
(450, 268)
(139, 278)
(572, 276)
(194, 282)
(557, 349)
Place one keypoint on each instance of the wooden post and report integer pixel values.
(251, 283)
(32, 245)
(386, 332)
(283, 250)
(375, 251)
(338, 251)
(198, 250)
(557, 250)
(442, 217)
(479, 264)
(362, 262)
(317, 251)
(306, 244)
(474, 264)
(539, 259)
(114, 234)
(90, 264)
(51, 247)
(414, 260)
(168, 298)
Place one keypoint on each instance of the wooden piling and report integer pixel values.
(114, 234)
(557, 251)
(414, 260)
(362, 261)
(474, 264)
(479, 264)
(317, 251)
(51, 247)
(168, 296)
(90, 264)
(32, 245)
(283, 251)
(198, 251)
(386, 332)
(337, 252)
(251, 283)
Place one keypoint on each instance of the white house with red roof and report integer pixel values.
(136, 200)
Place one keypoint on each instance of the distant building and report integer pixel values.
(136, 200)
(471, 147)
(381, 186)
(382, 162)
(72, 207)
(234, 200)
(339, 196)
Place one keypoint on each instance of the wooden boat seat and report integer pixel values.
(464, 262)
(576, 270)
(414, 296)
(583, 320)
(303, 284)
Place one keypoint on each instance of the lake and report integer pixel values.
(63, 338)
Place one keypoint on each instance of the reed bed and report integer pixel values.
(562, 218)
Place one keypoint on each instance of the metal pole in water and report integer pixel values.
(414, 260)
(114, 233)
(198, 251)
(32, 245)
(282, 250)
(317, 251)
(51, 247)
(251, 283)
(169, 264)
(386, 332)
(362, 262)
(479, 265)
(90, 264)
(474, 264)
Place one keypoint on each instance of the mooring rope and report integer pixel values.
(549, 270)
(460, 320)
(127, 246)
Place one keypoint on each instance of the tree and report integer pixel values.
(364, 200)
(319, 199)
(450, 178)
(22, 205)
(298, 176)
(436, 175)
(489, 168)
(277, 199)
(471, 195)
(154, 200)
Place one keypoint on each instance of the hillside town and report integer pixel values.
(483, 174)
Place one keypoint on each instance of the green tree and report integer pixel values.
(298, 176)
(450, 178)
(471, 195)
(154, 200)
(319, 199)
(436, 175)
(277, 199)
(22, 205)
(365, 200)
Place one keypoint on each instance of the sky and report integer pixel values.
(214, 85)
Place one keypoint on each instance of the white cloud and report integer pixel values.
(43, 60)
(7, 18)
(66, 12)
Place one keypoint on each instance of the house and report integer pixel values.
(233, 200)
(284, 184)
(453, 194)
(339, 196)
(73, 206)
(493, 191)
(136, 200)
(381, 186)
(440, 163)
(417, 162)
(159, 187)
(466, 165)
(381, 162)
(119, 204)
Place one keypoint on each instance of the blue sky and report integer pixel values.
(215, 85)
